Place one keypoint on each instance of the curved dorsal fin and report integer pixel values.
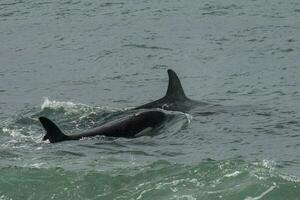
(53, 133)
(175, 89)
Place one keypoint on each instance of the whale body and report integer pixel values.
(176, 100)
(129, 127)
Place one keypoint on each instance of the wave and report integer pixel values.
(76, 117)
(228, 179)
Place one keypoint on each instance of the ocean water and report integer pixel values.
(85, 63)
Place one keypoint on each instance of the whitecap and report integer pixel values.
(262, 194)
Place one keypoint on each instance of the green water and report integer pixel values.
(166, 166)
(85, 63)
(160, 180)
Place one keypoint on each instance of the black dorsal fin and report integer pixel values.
(175, 89)
(54, 134)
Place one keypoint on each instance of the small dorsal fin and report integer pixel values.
(175, 89)
(54, 134)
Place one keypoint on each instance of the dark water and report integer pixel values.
(84, 63)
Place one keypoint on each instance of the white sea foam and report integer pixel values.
(16, 133)
(185, 197)
(262, 194)
(76, 107)
(56, 104)
(3, 197)
(291, 178)
(37, 165)
(236, 173)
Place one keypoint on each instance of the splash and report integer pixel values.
(56, 104)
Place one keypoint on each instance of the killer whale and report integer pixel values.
(129, 127)
(176, 100)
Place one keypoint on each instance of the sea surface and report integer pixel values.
(85, 63)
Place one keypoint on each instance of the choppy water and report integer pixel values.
(83, 63)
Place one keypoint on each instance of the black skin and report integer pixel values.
(175, 98)
(128, 127)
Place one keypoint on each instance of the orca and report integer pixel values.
(176, 100)
(129, 127)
